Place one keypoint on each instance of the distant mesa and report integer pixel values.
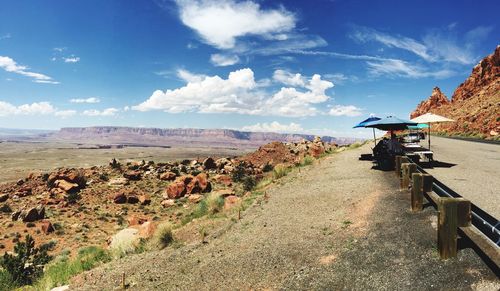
(475, 104)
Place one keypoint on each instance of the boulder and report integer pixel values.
(199, 184)
(221, 163)
(132, 199)
(4, 197)
(146, 230)
(168, 203)
(224, 192)
(46, 226)
(118, 182)
(120, 198)
(176, 189)
(223, 179)
(136, 220)
(5, 208)
(231, 201)
(209, 164)
(66, 186)
(195, 198)
(168, 176)
(30, 214)
(144, 199)
(132, 175)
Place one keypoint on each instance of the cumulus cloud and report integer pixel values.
(36, 108)
(189, 77)
(274, 127)
(221, 60)
(106, 112)
(220, 23)
(85, 100)
(345, 110)
(240, 93)
(9, 65)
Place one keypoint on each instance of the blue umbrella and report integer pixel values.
(366, 121)
(419, 126)
(391, 123)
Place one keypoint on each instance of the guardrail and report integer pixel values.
(456, 216)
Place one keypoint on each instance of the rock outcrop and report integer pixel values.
(475, 104)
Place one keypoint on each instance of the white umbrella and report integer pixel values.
(430, 118)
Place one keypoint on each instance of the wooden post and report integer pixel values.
(407, 170)
(398, 166)
(123, 286)
(427, 183)
(447, 227)
(464, 215)
(417, 193)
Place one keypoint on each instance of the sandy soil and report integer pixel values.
(337, 225)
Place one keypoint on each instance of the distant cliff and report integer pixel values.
(179, 136)
(475, 104)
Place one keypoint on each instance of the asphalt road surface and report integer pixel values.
(471, 169)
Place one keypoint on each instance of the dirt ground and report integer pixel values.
(20, 158)
(337, 224)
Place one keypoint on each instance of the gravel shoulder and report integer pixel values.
(336, 224)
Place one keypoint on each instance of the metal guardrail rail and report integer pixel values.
(484, 222)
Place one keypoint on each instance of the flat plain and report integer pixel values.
(18, 159)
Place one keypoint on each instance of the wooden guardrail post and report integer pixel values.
(452, 213)
(398, 166)
(407, 170)
(417, 192)
(447, 227)
(427, 183)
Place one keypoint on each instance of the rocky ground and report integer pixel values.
(337, 224)
(77, 207)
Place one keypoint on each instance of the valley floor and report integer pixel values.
(337, 224)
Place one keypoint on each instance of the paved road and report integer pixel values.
(336, 225)
(475, 173)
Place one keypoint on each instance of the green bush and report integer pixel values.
(26, 264)
(163, 236)
(239, 173)
(306, 161)
(267, 168)
(6, 281)
(215, 203)
(249, 183)
(62, 269)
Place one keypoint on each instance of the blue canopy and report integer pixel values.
(368, 120)
(391, 123)
(419, 126)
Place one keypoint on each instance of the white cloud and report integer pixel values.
(5, 36)
(274, 127)
(221, 60)
(85, 100)
(219, 23)
(71, 59)
(106, 112)
(189, 77)
(9, 65)
(399, 68)
(60, 49)
(287, 78)
(345, 110)
(65, 113)
(36, 108)
(240, 93)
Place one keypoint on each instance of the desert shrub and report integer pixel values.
(72, 197)
(6, 281)
(306, 161)
(249, 183)
(163, 236)
(280, 172)
(26, 264)
(354, 145)
(62, 269)
(239, 173)
(215, 203)
(268, 168)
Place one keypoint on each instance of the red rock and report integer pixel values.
(144, 199)
(135, 220)
(120, 198)
(168, 176)
(176, 189)
(437, 99)
(46, 227)
(146, 230)
(132, 175)
(223, 179)
(231, 201)
(66, 186)
(199, 184)
(32, 214)
(168, 203)
(195, 198)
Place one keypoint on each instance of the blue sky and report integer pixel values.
(292, 66)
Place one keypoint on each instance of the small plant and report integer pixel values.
(239, 173)
(163, 236)
(249, 183)
(306, 161)
(280, 172)
(346, 223)
(214, 203)
(26, 264)
(72, 197)
(267, 168)
(203, 233)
